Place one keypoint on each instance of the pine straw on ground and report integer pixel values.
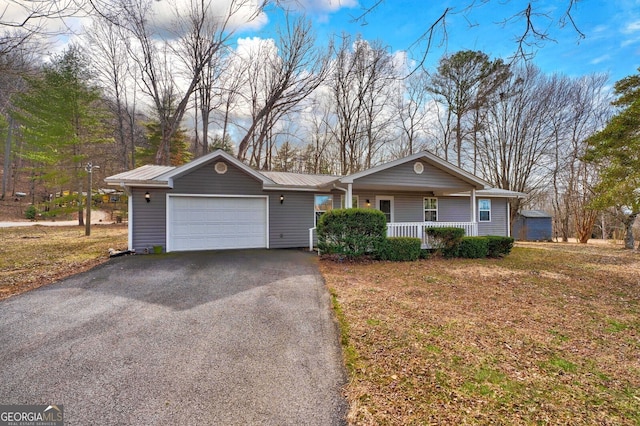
(547, 335)
(34, 256)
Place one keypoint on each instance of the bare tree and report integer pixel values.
(21, 22)
(360, 84)
(518, 143)
(583, 109)
(532, 25)
(202, 30)
(111, 65)
(288, 78)
(411, 102)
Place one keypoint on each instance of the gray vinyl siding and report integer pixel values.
(454, 209)
(290, 221)
(205, 180)
(149, 219)
(408, 208)
(432, 178)
(498, 224)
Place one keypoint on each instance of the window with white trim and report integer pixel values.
(354, 201)
(484, 210)
(430, 209)
(323, 203)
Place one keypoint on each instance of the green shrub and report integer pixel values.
(351, 232)
(473, 247)
(31, 212)
(445, 240)
(425, 253)
(400, 249)
(499, 246)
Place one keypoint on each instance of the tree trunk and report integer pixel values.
(629, 242)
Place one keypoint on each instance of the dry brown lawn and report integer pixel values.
(548, 335)
(37, 255)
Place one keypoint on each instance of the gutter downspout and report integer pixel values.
(347, 194)
(474, 214)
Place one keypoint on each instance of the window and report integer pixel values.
(354, 201)
(323, 203)
(430, 209)
(484, 210)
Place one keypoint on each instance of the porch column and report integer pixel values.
(508, 217)
(348, 203)
(473, 210)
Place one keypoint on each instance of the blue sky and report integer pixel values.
(611, 29)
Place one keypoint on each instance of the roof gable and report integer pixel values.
(205, 159)
(428, 158)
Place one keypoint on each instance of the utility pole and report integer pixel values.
(7, 159)
(89, 168)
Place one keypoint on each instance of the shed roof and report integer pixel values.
(534, 213)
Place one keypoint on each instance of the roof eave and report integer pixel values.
(139, 184)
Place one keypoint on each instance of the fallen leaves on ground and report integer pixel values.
(549, 334)
(37, 255)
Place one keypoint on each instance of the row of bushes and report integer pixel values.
(357, 232)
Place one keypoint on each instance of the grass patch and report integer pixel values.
(615, 326)
(37, 255)
(349, 352)
(542, 336)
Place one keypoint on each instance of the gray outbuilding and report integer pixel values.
(533, 225)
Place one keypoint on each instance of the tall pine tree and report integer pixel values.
(61, 116)
(616, 149)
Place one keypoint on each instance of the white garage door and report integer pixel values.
(210, 223)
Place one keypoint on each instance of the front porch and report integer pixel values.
(414, 230)
(417, 229)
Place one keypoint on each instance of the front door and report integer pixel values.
(385, 205)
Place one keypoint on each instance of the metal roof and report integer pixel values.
(140, 174)
(493, 192)
(534, 213)
(300, 179)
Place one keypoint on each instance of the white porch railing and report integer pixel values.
(415, 230)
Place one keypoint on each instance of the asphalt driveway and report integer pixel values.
(230, 337)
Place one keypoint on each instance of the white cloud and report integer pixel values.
(631, 27)
(320, 6)
(600, 59)
(241, 14)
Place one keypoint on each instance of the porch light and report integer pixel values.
(368, 203)
(147, 196)
(281, 198)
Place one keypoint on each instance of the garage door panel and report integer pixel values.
(206, 223)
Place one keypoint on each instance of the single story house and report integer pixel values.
(533, 225)
(218, 202)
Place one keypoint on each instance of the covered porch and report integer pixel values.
(414, 230)
(417, 229)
